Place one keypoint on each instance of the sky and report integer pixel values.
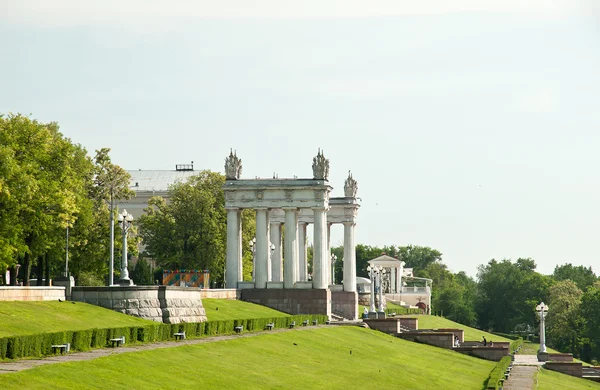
(471, 126)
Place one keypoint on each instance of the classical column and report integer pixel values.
(291, 248)
(349, 257)
(262, 249)
(399, 272)
(320, 263)
(276, 256)
(302, 253)
(393, 280)
(329, 273)
(234, 239)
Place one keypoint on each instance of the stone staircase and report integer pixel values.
(591, 373)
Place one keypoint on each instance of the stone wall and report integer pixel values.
(227, 293)
(460, 333)
(170, 305)
(560, 357)
(385, 325)
(32, 293)
(345, 303)
(291, 301)
(489, 353)
(574, 369)
(409, 322)
(439, 339)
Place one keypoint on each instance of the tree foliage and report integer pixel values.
(190, 231)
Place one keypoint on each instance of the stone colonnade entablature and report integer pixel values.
(291, 204)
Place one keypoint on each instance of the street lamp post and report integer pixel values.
(542, 309)
(333, 260)
(125, 222)
(252, 243)
(371, 270)
(382, 271)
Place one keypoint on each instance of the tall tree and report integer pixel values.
(564, 321)
(111, 184)
(507, 292)
(582, 276)
(190, 231)
(41, 190)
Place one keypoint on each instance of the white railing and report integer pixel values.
(416, 290)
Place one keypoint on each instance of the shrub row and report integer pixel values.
(515, 344)
(82, 340)
(498, 373)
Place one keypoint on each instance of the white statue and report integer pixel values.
(233, 166)
(320, 167)
(350, 187)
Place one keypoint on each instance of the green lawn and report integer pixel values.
(22, 318)
(551, 380)
(229, 309)
(471, 334)
(337, 357)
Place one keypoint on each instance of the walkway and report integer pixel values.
(522, 375)
(20, 365)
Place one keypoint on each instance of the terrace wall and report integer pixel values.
(167, 304)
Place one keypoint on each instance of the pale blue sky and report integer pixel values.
(471, 127)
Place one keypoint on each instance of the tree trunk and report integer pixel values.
(13, 276)
(40, 271)
(26, 268)
(46, 270)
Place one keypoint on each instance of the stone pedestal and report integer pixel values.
(67, 282)
(124, 283)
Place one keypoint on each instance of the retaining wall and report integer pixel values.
(168, 304)
(439, 339)
(460, 333)
(410, 323)
(345, 303)
(32, 293)
(573, 369)
(229, 293)
(488, 353)
(291, 301)
(385, 325)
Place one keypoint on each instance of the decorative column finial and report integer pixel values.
(233, 166)
(320, 167)
(350, 186)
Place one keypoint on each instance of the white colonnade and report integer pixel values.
(284, 208)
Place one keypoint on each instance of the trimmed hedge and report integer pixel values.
(515, 344)
(41, 344)
(497, 373)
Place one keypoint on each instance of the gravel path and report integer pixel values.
(20, 365)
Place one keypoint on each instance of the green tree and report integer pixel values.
(190, 231)
(583, 277)
(111, 183)
(507, 292)
(42, 190)
(564, 325)
(142, 274)
(590, 311)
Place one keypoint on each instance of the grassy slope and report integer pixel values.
(550, 380)
(321, 359)
(471, 334)
(236, 310)
(22, 318)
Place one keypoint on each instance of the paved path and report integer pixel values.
(522, 375)
(20, 365)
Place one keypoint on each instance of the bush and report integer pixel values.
(497, 373)
(515, 344)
